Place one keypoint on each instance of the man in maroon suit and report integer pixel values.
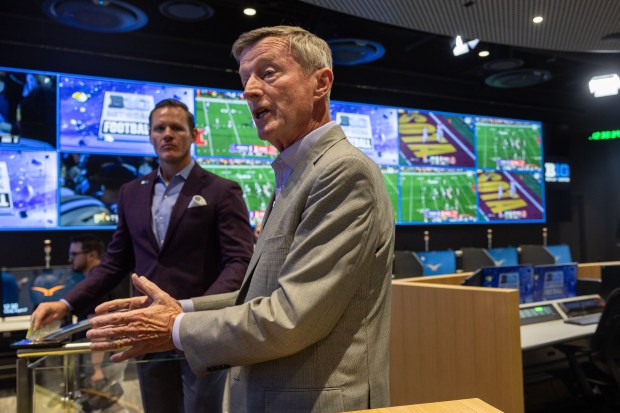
(187, 230)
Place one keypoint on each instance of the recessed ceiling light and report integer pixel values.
(537, 19)
(249, 11)
(186, 10)
(483, 53)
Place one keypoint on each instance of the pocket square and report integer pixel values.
(197, 201)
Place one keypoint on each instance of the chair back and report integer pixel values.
(607, 333)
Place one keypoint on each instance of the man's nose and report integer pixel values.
(252, 89)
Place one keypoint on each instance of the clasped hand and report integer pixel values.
(146, 326)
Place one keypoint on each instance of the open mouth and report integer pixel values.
(260, 113)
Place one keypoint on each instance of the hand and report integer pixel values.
(133, 303)
(144, 329)
(48, 312)
(97, 376)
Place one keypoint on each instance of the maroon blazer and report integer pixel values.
(206, 249)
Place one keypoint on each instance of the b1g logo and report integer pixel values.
(125, 117)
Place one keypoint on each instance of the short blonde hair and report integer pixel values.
(309, 50)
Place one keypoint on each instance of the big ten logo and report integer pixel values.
(497, 194)
(423, 138)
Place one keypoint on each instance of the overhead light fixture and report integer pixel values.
(249, 11)
(484, 53)
(461, 47)
(538, 19)
(605, 85)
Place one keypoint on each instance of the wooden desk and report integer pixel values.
(455, 406)
(450, 342)
(592, 269)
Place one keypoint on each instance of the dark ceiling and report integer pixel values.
(418, 69)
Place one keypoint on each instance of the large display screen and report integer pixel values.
(69, 142)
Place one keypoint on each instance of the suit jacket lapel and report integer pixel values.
(195, 181)
(145, 200)
(279, 207)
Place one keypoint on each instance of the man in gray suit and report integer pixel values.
(308, 331)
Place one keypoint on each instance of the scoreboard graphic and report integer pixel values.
(125, 117)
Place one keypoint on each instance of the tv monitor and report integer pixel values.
(28, 189)
(519, 277)
(510, 196)
(508, 145)
(431, 195)
(111, 116)
(226, 127)
(256, 179)
(372, 129)
(436, 139)
(555, 281)
(437, 262)
(24, 288)
(27, 110)
(90, 185)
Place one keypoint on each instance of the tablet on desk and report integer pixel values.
(30, 344)
(54, 339)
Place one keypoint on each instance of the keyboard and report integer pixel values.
(584, 320)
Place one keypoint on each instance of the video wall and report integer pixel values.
(68, 142)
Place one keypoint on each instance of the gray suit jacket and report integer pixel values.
(311, 333)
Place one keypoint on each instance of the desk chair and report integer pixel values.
(603, 353)
(437, 262)
(406, 264)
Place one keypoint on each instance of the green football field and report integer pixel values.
(390, 177)
(256, 181)
(438, 196)
(226, 124)
(508, 142)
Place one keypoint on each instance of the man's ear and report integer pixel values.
(324, 82)
(194, 134)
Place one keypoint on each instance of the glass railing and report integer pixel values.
(74, 379)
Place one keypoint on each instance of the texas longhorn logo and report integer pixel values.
(48, 292)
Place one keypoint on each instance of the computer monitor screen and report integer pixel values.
(555, 281)
(519, 277)
(610, 279)
(24, 288)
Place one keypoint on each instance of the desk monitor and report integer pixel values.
(519, 277)
(437, 262)
(610, 279)
(576, 308)
(555, 281)
(533, 314)
(24, 288)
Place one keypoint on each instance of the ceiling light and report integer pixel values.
(461, 47)
(483, 53)
(538, 19)
(249, 11)
(605, 85)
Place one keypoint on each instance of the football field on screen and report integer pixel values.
(226, 124)
(256, 181)
(508, 142)
(424, 193)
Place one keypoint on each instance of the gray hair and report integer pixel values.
(309, 50)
